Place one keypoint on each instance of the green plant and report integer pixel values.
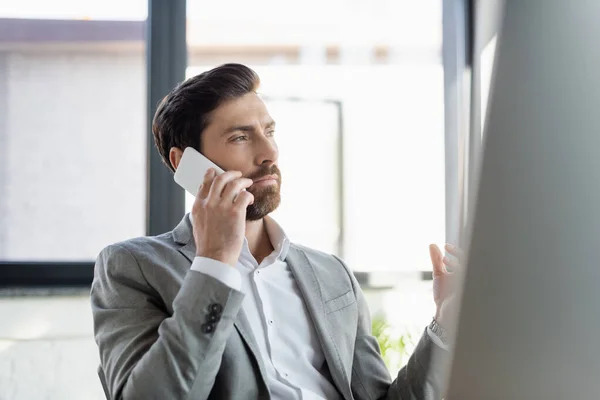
(395, 348)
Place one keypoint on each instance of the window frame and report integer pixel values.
(461, 93)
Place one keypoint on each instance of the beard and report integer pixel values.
(267, 199)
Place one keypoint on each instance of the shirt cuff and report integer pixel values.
(222, 272)
(435, 339)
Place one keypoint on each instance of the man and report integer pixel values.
(224, 306)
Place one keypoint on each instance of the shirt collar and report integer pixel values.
(279, 239)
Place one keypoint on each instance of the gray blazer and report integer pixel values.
(150, 317)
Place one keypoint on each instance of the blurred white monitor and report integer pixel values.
(529, 323)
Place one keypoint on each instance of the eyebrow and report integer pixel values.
(247, 128)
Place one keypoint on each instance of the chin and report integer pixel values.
(264, 204)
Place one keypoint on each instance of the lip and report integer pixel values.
(266, 178)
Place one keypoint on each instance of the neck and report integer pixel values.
(259, 242)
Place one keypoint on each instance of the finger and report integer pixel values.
(219, 183)
(233, 189)
(205, 187)
(455, 251)
(436, 260)
(453, 264)
(243, 200)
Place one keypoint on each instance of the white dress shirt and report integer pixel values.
(279, 319)
(280, 322)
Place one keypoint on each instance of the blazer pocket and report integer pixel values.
(340, 302)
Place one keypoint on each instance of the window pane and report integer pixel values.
(381, 61)
(310, 206)
(72, 129)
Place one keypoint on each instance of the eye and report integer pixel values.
(271, 133)
(239, 138)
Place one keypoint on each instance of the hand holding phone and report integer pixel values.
(219, 211)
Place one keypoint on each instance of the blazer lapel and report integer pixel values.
(243, 327)
(189, 250)
(182, 234)
(305, 276)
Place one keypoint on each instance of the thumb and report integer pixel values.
(436, 260)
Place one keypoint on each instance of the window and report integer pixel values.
(381, 62)
(72, 128)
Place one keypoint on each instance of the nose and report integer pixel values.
(267, 152)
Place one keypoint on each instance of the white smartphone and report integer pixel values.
(191, 170)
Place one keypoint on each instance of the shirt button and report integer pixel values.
(270, 322)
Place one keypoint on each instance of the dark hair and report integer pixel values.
(184, 113)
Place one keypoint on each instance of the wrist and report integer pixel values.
(440, 317)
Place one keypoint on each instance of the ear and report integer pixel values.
(175, 156)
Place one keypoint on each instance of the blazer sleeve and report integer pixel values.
(145, 353)
(421, 379)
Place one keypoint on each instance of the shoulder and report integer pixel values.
(133, 253)
(141, 246)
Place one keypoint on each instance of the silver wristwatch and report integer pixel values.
(439, 331)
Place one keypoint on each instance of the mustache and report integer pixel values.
(264, 171)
